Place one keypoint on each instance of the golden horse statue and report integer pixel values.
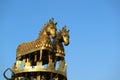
(62, 36)
(42, 42)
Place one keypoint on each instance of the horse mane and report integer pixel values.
(46, 25)
(43, 28)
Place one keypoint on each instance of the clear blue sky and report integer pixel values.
(94, 50)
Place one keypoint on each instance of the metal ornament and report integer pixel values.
(37, 60)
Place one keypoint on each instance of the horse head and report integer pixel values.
(51, 29)
(65, 35)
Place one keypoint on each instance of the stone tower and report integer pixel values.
(43, 58)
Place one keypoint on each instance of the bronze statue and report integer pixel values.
(42, 42)
(61, 37)
(47, 49)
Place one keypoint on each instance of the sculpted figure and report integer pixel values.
(42, 42)
(38, 59)
(61, 37)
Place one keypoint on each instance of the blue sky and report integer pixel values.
(94, 50)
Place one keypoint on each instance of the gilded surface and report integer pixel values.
(43, 41)
(38, 58)
(61, 37)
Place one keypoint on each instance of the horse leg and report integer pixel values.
(40, 55)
